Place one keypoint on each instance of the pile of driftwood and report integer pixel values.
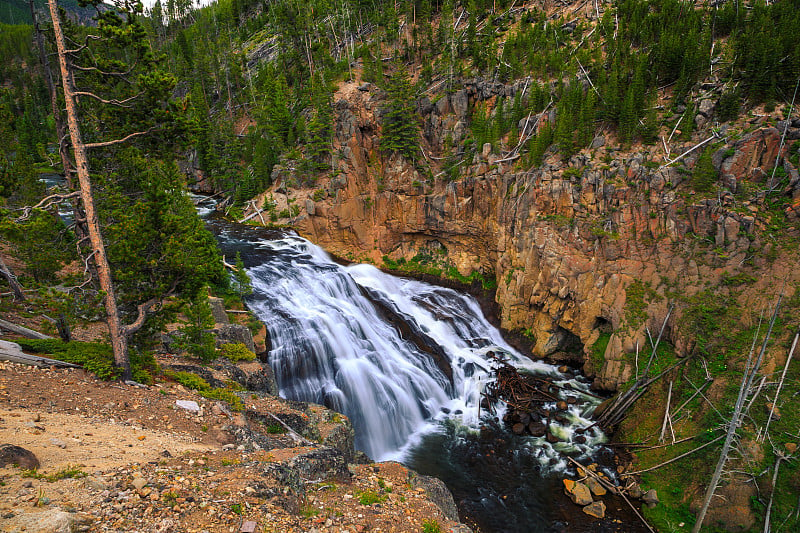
(526, 396)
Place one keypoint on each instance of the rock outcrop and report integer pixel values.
(564, 241)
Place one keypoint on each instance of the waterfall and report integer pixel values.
(395, 355)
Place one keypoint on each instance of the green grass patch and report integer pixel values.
(370, 497)
(599, 351)
(68, 472)
(637, 296)
(197, 383)
(427, 264)
(431, 526)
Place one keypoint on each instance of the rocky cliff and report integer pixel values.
(605, 242)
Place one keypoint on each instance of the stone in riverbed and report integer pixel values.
(595, 486)
(577, 492)
(537, 428)
(595, 509)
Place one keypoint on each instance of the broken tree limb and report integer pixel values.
(772, 493)
(666, 414)
(34, 360)
(690, 150)
(292, 433)
(681, 456)
(783, 138)
(16, 288)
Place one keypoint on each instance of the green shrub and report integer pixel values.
(704, 175)
(189, 380)
(224, 395)
(68, 472)
(431, 526)
(236, 352)
(96, 357)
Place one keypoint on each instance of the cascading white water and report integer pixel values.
(393, 354)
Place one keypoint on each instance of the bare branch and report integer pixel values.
(141, 310)
(113, 101)
(45, 203)
(120, 141)
(144, 308)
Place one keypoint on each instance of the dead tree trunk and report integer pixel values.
(16, 288)
(119, 340)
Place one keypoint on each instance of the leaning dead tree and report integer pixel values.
(9, 276)
(119, 332)
(750, 371)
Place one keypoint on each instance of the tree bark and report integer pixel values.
(119, 341)
(16, 288)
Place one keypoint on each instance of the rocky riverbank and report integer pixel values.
(161, 458)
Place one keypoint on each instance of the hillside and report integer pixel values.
(620, 177)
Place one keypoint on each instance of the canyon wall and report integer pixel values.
(607, 241)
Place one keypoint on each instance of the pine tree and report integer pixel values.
(400, 127)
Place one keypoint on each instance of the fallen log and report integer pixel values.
(21, 330)
(10, 351)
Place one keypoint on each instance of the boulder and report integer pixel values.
(234, 333)
(537, 428)
(322, 463)
(650, 498)
(188, 405)
(595, 486)
(595, 509)
(577, 492)
(218, 310)
(50, 521)
(16, 455)
(438, 493)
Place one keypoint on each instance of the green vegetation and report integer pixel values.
(195, 382)
(431, 526)
(195, 336)
(599, 350)
(236, 352)
(96, 357)
(637, 296)
(68, 472)
(424, 263)
(275, 429)
(370, 497)
(704, 175)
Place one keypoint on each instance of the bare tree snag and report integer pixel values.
(736, 418)
(119, 341)
(16, 288)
